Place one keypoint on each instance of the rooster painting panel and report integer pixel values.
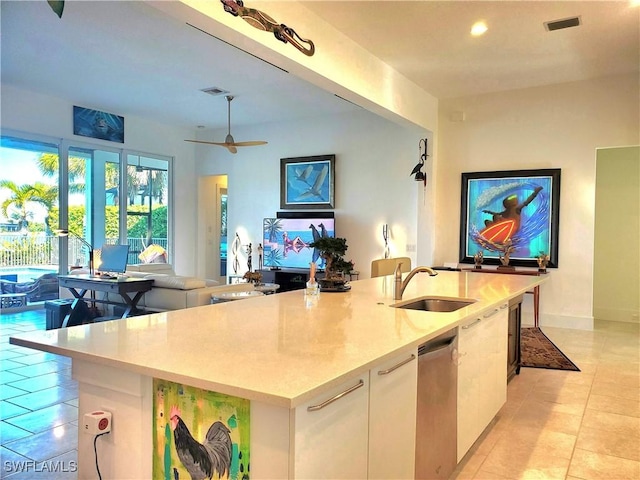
(199, 434)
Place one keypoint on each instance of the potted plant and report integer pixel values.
(332, 250)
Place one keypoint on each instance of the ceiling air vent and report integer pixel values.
(215, 91)
(564, 23)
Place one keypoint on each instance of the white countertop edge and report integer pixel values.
(265, 397)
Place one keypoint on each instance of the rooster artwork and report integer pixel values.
(202, 460)
(199, 434)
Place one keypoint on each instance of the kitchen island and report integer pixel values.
(284, 353)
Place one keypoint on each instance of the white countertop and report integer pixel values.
(280, 349)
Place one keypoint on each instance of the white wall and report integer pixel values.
(373, 159)
(34, 113)
(558, 126)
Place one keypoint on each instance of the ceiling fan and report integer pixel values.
(229, 143)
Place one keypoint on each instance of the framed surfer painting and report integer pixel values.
(514, 212)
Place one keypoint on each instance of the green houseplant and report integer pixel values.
(332, 250)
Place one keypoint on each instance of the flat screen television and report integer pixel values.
(113, 258)
(286, 240)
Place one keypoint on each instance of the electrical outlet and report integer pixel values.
(98, 422)
(111, 438)
(411, 247)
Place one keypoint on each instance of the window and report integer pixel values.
(147, 203)
(100, 198)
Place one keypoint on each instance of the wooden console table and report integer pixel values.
(78, 285)
(535, 292)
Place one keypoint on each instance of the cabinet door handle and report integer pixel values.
(491, 314)
(314, 408)
(472, 324)
(502, 307)
(395, 367)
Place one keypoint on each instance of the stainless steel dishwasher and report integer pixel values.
(436, 410)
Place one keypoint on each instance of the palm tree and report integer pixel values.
(22, 195)
(135, 180)
(272, 226)
(138, 180)
(46, 195)
(49, 164)
(159, 180)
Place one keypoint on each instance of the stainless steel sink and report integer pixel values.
(435, 304)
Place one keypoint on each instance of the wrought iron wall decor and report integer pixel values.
(262, 21)
(419, 175)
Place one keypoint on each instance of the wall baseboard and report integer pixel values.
(617, 315)
(561, 321)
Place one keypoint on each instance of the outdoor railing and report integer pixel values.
(33, 250)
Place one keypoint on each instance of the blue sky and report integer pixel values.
(20, 167)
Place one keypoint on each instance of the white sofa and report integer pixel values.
(171, 291)
(174, 292)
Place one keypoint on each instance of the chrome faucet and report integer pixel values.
(400, 285)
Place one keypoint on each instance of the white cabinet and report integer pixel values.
(364, 428)
(331, 433)
(392, 418)
(482, 373)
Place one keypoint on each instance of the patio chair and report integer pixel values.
(38, 290)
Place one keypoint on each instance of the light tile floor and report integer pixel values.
(569, 425)
(555, 424)
(38, 407)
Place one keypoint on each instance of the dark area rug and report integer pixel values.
(539, 352)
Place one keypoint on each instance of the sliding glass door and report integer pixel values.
(147, 204)
(100, 195)
(29, 208)
(93, 201)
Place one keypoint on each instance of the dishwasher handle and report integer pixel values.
(427, 349)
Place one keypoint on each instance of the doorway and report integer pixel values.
(616, 265)
(212, 228)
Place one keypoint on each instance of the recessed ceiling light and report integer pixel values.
(478, 28)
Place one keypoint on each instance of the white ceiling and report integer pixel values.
(131, 59)
(429, 41)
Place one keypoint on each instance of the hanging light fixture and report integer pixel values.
(419, 175)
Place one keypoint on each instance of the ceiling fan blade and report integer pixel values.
(251, 143)
(207, 143)
(229, 143)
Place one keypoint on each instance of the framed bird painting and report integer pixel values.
(307, 182)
